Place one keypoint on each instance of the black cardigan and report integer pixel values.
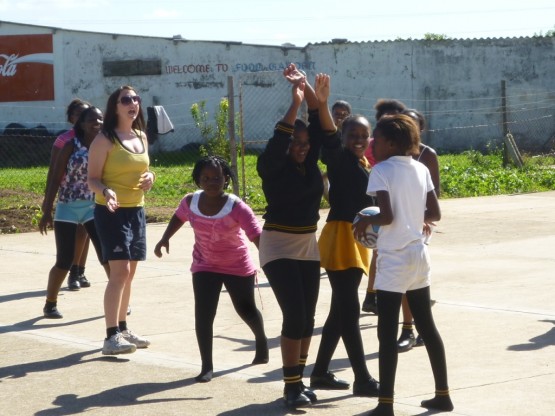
(348, 181)
(293, 192)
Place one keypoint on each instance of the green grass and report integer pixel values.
(464, 175)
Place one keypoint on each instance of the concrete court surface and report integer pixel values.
(493, 262)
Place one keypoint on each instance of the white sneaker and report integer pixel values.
(135, 339)
(117, 344)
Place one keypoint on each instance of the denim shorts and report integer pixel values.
(122, 233)
(75, 212)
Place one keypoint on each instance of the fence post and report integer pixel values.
(231, 132)
(504, 122)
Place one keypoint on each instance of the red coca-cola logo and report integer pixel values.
(26, 68)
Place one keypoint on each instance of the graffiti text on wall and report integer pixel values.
(243, 67)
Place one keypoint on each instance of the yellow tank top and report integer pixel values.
(122, 172)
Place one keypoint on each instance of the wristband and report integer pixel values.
(104, 191)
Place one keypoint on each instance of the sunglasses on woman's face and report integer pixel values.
(128, 99)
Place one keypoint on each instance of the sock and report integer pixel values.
(302, 364)
(74, 271)
(113, 330)
(50, 304)
(205, 376)
(384, 407)
(292, 377)
(80, 270)
(122, 326)
(407, 326)
(262, 353)
(441, 401)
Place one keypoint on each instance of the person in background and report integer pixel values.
(344, 259)
(407, 201)
(340, 110)
(384, 106)
(119, 176)
(76, 279)
(428, 157)
(75, 206)
(221, 223)
(293, 187)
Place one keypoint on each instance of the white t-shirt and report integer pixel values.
(408, 183)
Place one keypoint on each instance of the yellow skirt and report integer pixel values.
(339, 250)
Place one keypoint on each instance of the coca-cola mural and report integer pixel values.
(26, 68)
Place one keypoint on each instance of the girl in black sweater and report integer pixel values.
(292, 184)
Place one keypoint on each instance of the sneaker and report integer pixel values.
(367, 388)
(328, 381)
(83, 281)
(135, 339)
(117, 344)
(369, 305)
(419, 341)
(73, 283)
(128, 310)
(52, 312)
(406, 341)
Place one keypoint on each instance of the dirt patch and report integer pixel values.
(17, 220)
(20, 212)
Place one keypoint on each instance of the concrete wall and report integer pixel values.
(456, 83)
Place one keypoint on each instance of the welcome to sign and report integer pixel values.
(26, 68)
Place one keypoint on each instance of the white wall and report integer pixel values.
(457, 83)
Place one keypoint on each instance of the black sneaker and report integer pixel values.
(406, 341)
(368, 388)
(369, 305)
(52, 312)
(419, 341)
(83, 281)
(73, 283)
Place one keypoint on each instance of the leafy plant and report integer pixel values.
(215, 135)
(435, 36)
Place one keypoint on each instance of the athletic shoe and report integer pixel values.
(419, 341)
(117, 344)
(368, 388)
(369, 304)
(406, 341)
(135, 339)
(128, 310)
(73, 283)
(328, 381)
(52, 313)
(83, 281)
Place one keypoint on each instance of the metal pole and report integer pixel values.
(231, 132)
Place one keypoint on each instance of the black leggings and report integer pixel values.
(207, 287)
(295, 284)
(343, 322)
(389, 304)
(64, 233)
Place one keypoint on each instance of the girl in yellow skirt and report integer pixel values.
(344, 259)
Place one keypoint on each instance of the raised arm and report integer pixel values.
(322, 93)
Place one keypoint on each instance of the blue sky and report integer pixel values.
(297, 22)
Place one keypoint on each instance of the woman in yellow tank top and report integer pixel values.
(119, 176)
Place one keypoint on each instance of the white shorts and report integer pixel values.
(403, 270)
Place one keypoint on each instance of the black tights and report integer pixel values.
(207, 287)
(296, 284)
(64, 233)
(389, 304)
(343, 322)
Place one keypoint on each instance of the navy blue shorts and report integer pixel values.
(122, 233)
